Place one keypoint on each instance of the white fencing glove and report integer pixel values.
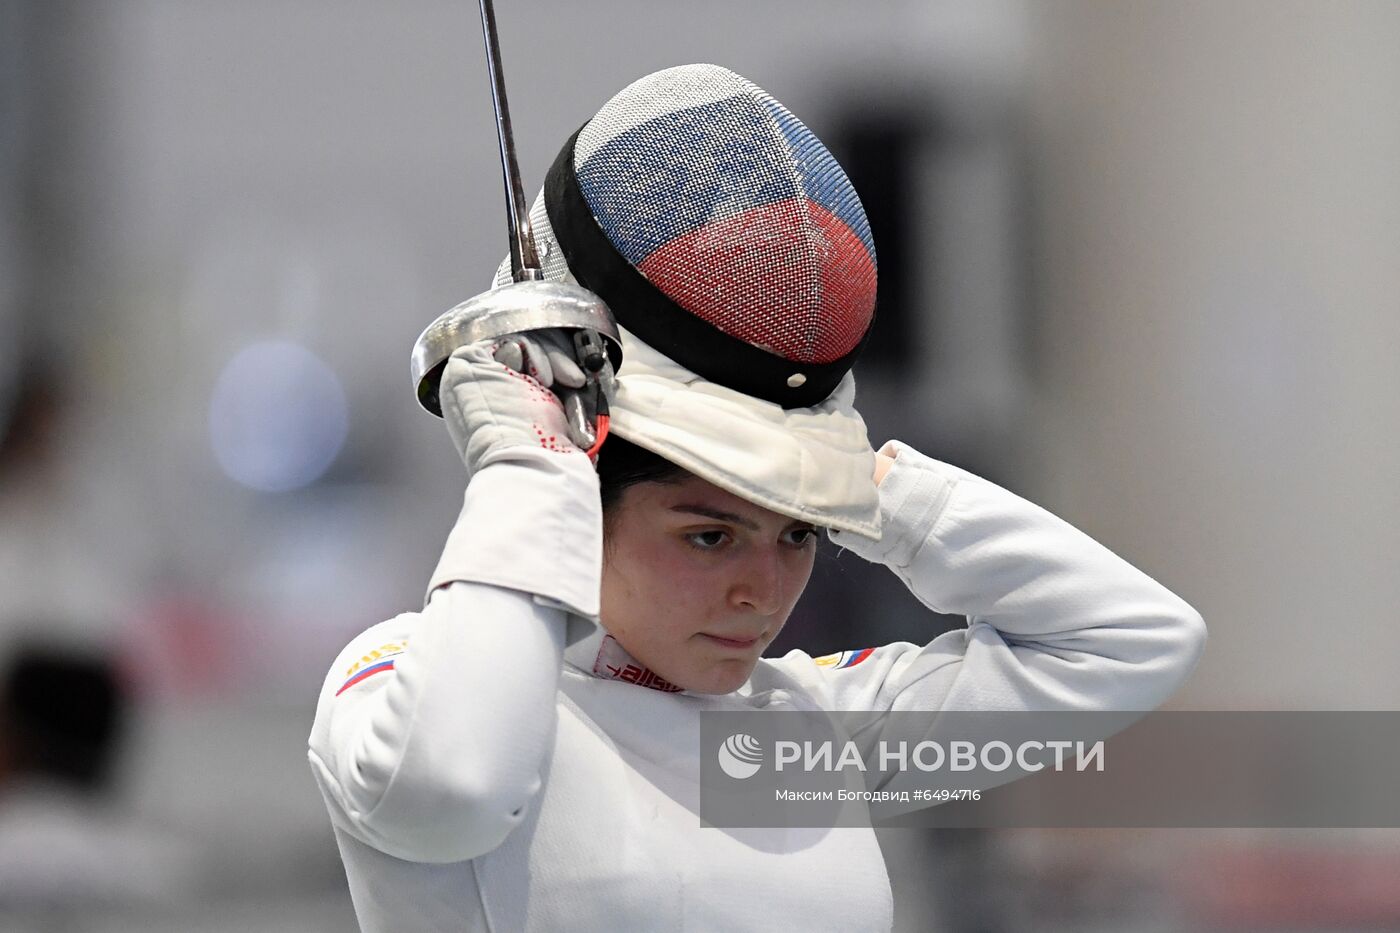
(496, 396)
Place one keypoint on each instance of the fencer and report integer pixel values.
(522, 753)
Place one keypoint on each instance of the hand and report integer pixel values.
(496, 396)
(544, 355)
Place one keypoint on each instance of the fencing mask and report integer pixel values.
(738, 263)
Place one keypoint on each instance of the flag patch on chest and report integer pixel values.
(843, 658)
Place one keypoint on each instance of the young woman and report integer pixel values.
(523, 754)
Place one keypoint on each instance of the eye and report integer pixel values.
(800, 537)
(707, 540)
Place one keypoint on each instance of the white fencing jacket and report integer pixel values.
(496, 762)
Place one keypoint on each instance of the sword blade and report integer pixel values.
(524, 259)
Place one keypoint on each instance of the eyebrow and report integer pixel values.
(717, 515)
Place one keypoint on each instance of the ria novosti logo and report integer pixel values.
(740, 756)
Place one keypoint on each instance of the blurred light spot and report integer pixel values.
(278, 417)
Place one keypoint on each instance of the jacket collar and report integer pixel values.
(600, 655)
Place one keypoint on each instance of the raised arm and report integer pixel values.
(1056, 621)
(432, 728)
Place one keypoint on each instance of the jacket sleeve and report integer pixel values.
(1056, 621)
(432, 728)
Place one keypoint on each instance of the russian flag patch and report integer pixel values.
(366, 672)
(373, 663)
(843, 658)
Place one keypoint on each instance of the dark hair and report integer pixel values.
(622, 464)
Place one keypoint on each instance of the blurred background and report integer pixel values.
(1139, 263)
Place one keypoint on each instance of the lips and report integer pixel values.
(732, 642)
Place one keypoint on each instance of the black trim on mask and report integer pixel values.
(647, 312)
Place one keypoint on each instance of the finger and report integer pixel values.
(510, 354)
(563, 359)
(537, 361)
(554, 338)
(566, 370)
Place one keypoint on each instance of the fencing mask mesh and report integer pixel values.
(719, 230)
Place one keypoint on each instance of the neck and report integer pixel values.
(601, 655)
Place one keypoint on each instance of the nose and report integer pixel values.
(760, 585)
